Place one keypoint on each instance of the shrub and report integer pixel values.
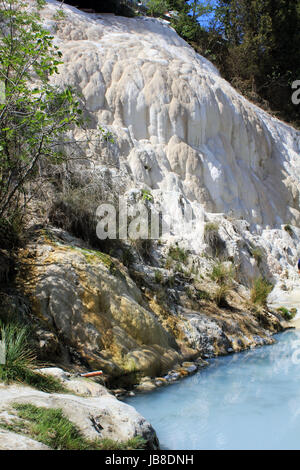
(11, 231)
(157, 7)
(52, 428)
(288, 315)
(260, 290)
(126, 257)
(34, 118)
(72, 212)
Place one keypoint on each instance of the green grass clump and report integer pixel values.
(220, 296)
(222, 274)
(202, 295)
(52, 428)
(19, 358)
(211, 226)
(288, 315)
(257, 255)
(146, 195)
(158, 277)
(20, 361)
(178, 254)
(59, 15)
(261, 288)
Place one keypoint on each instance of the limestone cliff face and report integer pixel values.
(178, 124)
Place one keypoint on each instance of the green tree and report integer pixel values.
(263, 38)
(200, 8)
(35, 115)
(157, 7)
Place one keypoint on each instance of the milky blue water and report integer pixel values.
(249, 400)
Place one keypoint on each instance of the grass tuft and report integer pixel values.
(20, 361)
(222, 274)
(220, 296)
(178, 254)
(257, 255)
(261, 288)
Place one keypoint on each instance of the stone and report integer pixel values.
(79, 385)
(102, 417)
(146, 386)
(12, 441)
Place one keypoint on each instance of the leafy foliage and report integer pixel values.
(35, 115)
(146, 195)
(263, 60)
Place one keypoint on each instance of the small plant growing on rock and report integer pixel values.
(220, 296)
(59, 15)
(222, 274)
(260, 290)
(257, 255)
(289, 230)
(178, 254)
(158, 277)
(106, 135)
(146, 195)
(288, 315)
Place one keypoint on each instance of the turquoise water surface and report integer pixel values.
(249, 400)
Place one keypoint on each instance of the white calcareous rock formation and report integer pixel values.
(179, 127)
(172, 112)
